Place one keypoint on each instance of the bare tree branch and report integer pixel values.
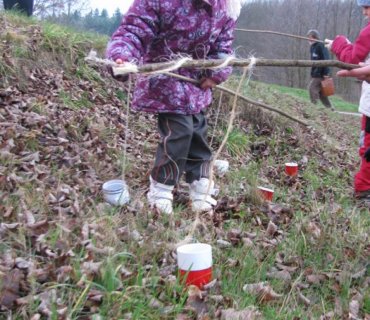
(248, 100)
(279, 33)
(209, 64)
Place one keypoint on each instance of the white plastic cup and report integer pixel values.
(221, 167)
(195, 264)
(116, 192)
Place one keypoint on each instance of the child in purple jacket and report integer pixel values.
(162, 30)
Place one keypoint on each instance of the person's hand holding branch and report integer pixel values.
(119, 77)
(328, 43)
(207, 83)
(362, 73)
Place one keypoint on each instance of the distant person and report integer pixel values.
(357, 52)
(25, 6)
(318, 52)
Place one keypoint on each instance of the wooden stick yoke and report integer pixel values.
(214, 63)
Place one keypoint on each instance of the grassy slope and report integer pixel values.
(339, 103)
(123, 257)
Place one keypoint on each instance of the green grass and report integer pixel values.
(83, 71)
(65, 45)
(339, 103)
(58, 38)
(237, 143)
(75, 103)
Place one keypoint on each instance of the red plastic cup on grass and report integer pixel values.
(195, 264)
(291, 168)
(266, 193)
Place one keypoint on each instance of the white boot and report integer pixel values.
(200, 195)
(160, 196)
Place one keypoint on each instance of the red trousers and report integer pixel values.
(362, 178)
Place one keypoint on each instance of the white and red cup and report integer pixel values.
(291, 168)
(266, 193)
(195, 264)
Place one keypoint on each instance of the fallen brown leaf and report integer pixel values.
(247, 314)
(262, 291)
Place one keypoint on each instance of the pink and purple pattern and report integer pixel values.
(163, 30)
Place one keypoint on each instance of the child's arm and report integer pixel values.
(352, 52)
(362, 73)
(138, 27)
(220, 49)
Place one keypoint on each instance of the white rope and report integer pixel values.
(129, 67)
(248, 69)
(124, 69)
(248, 72)
(176, 66)
(117, 69)
(132, 68)
(93, 57)
(251, 66)
(216, 120)
(225, 63)
(128, 105)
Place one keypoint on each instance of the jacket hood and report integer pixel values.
(233, 8)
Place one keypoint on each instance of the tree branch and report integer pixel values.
(259, 104)
(280, 34)
(209, 64)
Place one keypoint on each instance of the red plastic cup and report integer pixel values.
(195, 264)
(291, 168)
(266, 193)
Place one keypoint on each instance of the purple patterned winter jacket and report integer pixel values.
(160, 30)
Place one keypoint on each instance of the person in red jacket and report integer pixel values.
(357, 52)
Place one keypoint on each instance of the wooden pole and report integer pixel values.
(231, 92)
(262, 105)
(209, 64)
(280, 34)
(157, 67)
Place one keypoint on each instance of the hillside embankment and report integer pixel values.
(65, 254)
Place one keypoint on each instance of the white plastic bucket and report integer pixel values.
(116, 192)
(195, 263)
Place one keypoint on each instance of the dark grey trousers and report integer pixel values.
(314, 89)
(183, 148)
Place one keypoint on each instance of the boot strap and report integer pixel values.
(163, 195)
(204, 197)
